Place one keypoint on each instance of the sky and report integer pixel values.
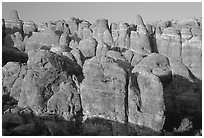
(113, 11)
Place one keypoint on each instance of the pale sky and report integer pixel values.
(113, 11)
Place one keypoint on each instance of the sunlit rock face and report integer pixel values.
(73, 77)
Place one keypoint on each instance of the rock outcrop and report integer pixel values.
(71, 77)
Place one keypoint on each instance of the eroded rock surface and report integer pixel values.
(73, 77)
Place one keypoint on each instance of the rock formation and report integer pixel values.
(72, 77)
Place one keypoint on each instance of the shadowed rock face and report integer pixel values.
(78, 78)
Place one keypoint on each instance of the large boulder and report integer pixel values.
(146, 92)
(46, 71)
(103, 91)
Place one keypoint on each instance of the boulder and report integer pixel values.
(88, 47)
(103, 91)
(46, 71)
(146, 102)
(146, 91)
